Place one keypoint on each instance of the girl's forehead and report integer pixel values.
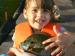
(44, 4)
(35, 3)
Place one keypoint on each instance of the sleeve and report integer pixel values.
(15, 38)
(15, 44)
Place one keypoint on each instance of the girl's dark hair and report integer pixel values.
(45, 4)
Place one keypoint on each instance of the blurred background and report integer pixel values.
(8, 8)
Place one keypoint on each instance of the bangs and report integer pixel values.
(44, 4)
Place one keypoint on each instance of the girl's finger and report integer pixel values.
(48, 40)
(59, 54)
(56, 51)
(50, 46)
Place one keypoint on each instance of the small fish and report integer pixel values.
(34, 44)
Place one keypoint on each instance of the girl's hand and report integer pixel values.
(57, 50)
(60, 42)
(20, 52)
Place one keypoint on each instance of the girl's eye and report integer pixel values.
(34, 10)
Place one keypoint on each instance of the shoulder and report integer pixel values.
(21, 25)
(54, 24)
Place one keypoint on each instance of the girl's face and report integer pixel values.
(37, 16)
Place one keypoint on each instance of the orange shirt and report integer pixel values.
(23, 30)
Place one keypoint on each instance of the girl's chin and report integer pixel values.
(38, 27)
(38, 24)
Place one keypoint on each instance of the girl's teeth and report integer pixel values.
(39, 21)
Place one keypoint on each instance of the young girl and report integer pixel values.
(38, 14)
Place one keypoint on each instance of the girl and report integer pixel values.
(38, 14)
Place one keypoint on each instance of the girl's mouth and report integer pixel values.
(39, 21)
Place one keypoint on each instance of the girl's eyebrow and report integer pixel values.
(34, 7)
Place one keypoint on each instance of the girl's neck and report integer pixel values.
(36, 30)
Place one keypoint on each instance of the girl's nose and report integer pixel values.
(40, 14)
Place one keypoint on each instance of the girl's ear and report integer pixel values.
(24, 13)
